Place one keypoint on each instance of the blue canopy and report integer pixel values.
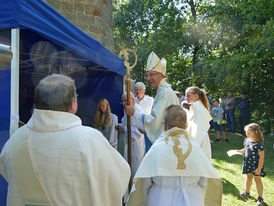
(49, 43)
(38, 16)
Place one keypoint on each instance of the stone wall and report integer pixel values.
(92, 16)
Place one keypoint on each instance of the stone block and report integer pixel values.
(79, 6)
(71, 17)
(84, 19)
(67, 7)
(56, 4)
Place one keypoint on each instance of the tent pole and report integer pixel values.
(14, 87)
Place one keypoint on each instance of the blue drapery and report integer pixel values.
(38, 22)
(38, 16)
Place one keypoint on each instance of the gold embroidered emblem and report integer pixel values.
(175, 136)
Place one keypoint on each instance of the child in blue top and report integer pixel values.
(217, 113)
(253, 164)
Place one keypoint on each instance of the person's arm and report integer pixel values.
(138, 120)
(242, 151)
(221, 120)
(120, 128)
(261, 163)
(199, 126)
(239, 105)
(113, 135)
(129, 109)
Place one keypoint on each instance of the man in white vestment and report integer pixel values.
(56, 161)
(138, 147)
(175, 171)
(153, 124)
(141, 99)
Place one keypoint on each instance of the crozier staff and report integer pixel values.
(125, 52)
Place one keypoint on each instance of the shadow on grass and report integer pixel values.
(236, 142)
(229, 188)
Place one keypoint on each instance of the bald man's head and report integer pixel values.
(175, 116)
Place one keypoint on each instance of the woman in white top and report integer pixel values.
(105, 122)
(199, 117)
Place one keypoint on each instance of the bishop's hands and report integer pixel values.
(129, 110)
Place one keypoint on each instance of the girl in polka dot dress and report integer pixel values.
(253, 164)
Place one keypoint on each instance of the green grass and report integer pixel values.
(230, 171)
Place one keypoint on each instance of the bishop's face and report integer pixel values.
(154, 78)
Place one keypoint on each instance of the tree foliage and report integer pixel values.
(220, 45)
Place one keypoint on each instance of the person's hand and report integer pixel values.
(129, 110)
(120, 128)
(257, 171)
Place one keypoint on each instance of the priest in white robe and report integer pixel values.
(175, 171)
(56, 161)
(153, 124)
(138, 147)
(143, 100)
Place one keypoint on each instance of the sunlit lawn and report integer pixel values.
(229, 169)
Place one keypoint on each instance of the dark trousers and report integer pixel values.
(231, 125)
(243, 121)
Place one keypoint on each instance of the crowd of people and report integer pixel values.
(54, 160)
(223, 111)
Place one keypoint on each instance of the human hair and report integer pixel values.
(55, 92)
(140, 84)
(178, 94)
(255, 128)
(217, 100)
(231, 93)
(99, 115)
(202, 95)
(131, 96)
(175, 116)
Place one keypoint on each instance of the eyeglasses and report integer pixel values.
(152, 74)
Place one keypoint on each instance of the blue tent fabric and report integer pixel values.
(39, 22)
(4, 123)
(38, 16)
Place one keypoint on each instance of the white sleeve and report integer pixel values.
(137, 120)
(113, 136)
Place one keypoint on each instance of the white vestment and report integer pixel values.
(146, 103)
(198, 125)
(153, 123)
(138, 147)
(166, 178)
(75, 164)
(110, 132)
